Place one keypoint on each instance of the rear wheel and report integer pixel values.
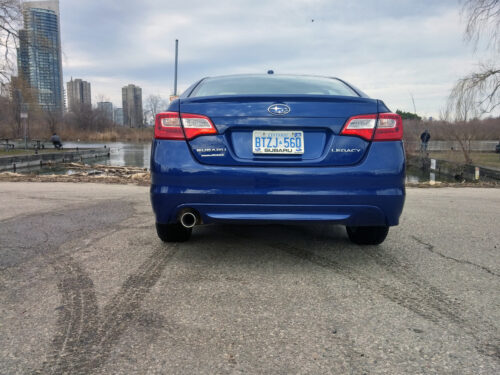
(367, 235)
(173, 232)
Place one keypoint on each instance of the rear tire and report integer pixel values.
(367, 235)
(173, 232)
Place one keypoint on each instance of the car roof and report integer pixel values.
(269, 76)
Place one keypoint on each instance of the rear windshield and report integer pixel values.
(272, 85)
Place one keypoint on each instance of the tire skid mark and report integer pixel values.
(125, 305)
(41, 235)
(414, 294)
(85, 338)
(442, 300)
(408, 277)
(77, 319)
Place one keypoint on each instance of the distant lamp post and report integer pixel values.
(23, 115)
(24, 118)
(176, 63)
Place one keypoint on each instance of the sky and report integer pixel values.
(391, 49)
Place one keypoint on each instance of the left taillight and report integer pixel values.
(171, 125)
(389, 127)
(360, 126)
(381, 127)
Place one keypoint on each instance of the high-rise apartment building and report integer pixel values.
(79, 94)
(118, 116)
(107, 109)
(132, 106)
(39, 53)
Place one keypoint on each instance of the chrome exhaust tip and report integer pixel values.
(188, 219)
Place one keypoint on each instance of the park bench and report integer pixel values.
(7, 146)
(37, 144)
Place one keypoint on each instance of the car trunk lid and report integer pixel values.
(319, 118)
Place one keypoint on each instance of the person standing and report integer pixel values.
(424, 137)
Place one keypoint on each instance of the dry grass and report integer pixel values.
(481, 130)
(70, 133)
(110, 135)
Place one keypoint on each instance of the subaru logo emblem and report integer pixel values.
(278, 109)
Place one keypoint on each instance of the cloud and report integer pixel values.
(387, 48)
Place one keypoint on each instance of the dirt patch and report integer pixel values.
(142, 179)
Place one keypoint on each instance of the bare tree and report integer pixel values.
(155, 104)
(480, 89)
(85, 117)
(53, 118)
(459, 129)
(7, 123)
(10, 20)
(483, 20)
(477, 93)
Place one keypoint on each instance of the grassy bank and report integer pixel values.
(485, 159)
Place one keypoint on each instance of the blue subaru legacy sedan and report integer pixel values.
(277, 149)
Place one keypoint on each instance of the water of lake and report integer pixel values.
(121, 153)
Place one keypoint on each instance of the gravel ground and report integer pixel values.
(87, 288)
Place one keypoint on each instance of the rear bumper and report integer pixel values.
(369, 193)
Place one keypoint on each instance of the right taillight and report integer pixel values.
(386, 126)
(168, 126)
(171, 125)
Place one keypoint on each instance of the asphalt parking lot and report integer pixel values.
(86, 287)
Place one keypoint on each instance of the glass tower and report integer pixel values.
(39, 53)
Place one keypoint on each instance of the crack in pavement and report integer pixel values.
(433, 250)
